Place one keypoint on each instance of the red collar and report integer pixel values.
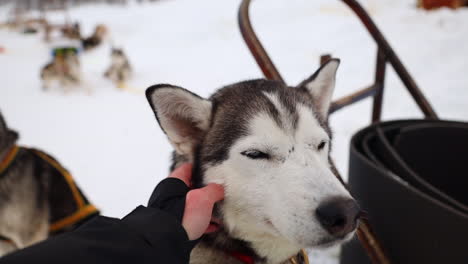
(242, 257)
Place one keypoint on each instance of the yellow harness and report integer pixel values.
(301, 258)
(10, 156)
(83, 210)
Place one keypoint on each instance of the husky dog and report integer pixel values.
(72, 31)
(24, 217)
(35, 199)
(120, 70)
(95, 39)
(268, 145)
(64, 69)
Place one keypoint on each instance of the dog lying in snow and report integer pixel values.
(268, 145)
(91, 42)
(38, 197)
(64, 69)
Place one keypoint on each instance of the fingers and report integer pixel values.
(199, 208)
(213, 192)
(184, 173)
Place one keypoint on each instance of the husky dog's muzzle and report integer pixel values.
(339, 216)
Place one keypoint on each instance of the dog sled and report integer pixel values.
(383, 163)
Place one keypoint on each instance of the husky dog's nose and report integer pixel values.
(338, 215)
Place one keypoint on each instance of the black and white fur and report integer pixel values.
(31, 195)
(24, 211)
(268, 145)
(120, 70)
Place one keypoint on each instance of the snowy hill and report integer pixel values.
(110, 140)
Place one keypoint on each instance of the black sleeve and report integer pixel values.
(151, 234)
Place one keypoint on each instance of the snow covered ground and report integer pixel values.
(110, 140)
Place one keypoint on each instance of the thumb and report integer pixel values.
(199, 208)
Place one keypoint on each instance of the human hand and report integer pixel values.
(173, 196)
(198, 204)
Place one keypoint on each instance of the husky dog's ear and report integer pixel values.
(3, 126)
(182, 115)
(7, 136)
(321, 85)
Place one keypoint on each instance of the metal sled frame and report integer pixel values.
(385, 54)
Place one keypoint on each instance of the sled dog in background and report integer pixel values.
(63, 69)
(93, 41)
(268, 145)
(119, 70)
(38, 197)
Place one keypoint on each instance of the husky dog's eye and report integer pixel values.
(321, 145)
(255, 154)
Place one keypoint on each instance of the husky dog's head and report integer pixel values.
(118, 56)
(116, 52)
(7, 137)
(268, 145)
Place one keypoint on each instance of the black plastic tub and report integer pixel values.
(411, 176)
